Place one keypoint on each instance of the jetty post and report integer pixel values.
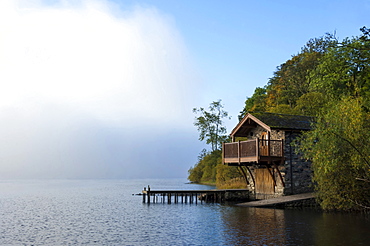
(144, 194)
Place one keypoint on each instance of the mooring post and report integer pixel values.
(144, 195)
(148, 193)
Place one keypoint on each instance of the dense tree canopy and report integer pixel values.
(339, 147)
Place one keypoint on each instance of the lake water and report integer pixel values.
(104, 212)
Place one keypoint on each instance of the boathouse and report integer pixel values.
(264, 148)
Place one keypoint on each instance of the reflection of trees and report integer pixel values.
(342, 229)
(258, 226)
(254, 226)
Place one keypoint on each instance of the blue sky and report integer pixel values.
(237, 45)
(105, 88)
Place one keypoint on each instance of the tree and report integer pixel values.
(310, 104)
(339, 148)
(196, 172)
(255, 103)
(211, 129)
(344, 70)
(205, 170)
(210, 125)
(290, 81)
(229, 177)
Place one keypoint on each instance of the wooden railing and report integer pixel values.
(252, 148)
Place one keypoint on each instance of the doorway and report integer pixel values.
(265, 137)
(265, 187)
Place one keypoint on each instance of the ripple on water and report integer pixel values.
(104, 212)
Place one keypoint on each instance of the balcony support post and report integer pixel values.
(257, 150)
(223, 153)
(268, 145)
(239, 152)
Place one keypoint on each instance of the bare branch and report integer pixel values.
(365, 180)
(354, 147)
(359, 204)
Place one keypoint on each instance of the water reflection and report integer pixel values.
(257, 226)
(254, 226)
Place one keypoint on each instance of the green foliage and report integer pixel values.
(205, 170)
(209, 124)
(344, 70)
(282, 109)
(195, 174)
(325, 70)
(210, 169)
(339, 147)
(234, 183)
(225, 173)
(310, 104)
(255, 103)
(290, 82)
(340, 143)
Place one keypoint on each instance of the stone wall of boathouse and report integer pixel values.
(297, 170)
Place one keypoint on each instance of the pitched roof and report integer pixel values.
(271, 121)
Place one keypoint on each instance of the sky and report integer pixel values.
(96, 89)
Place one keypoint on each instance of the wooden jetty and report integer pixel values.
(279, 201)
(191, 196)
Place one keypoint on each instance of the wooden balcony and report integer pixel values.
(253, 151)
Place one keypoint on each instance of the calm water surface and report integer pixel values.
(104, 212)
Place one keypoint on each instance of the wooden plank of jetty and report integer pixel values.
(214, 195)
(192, 191)
(273, 202)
